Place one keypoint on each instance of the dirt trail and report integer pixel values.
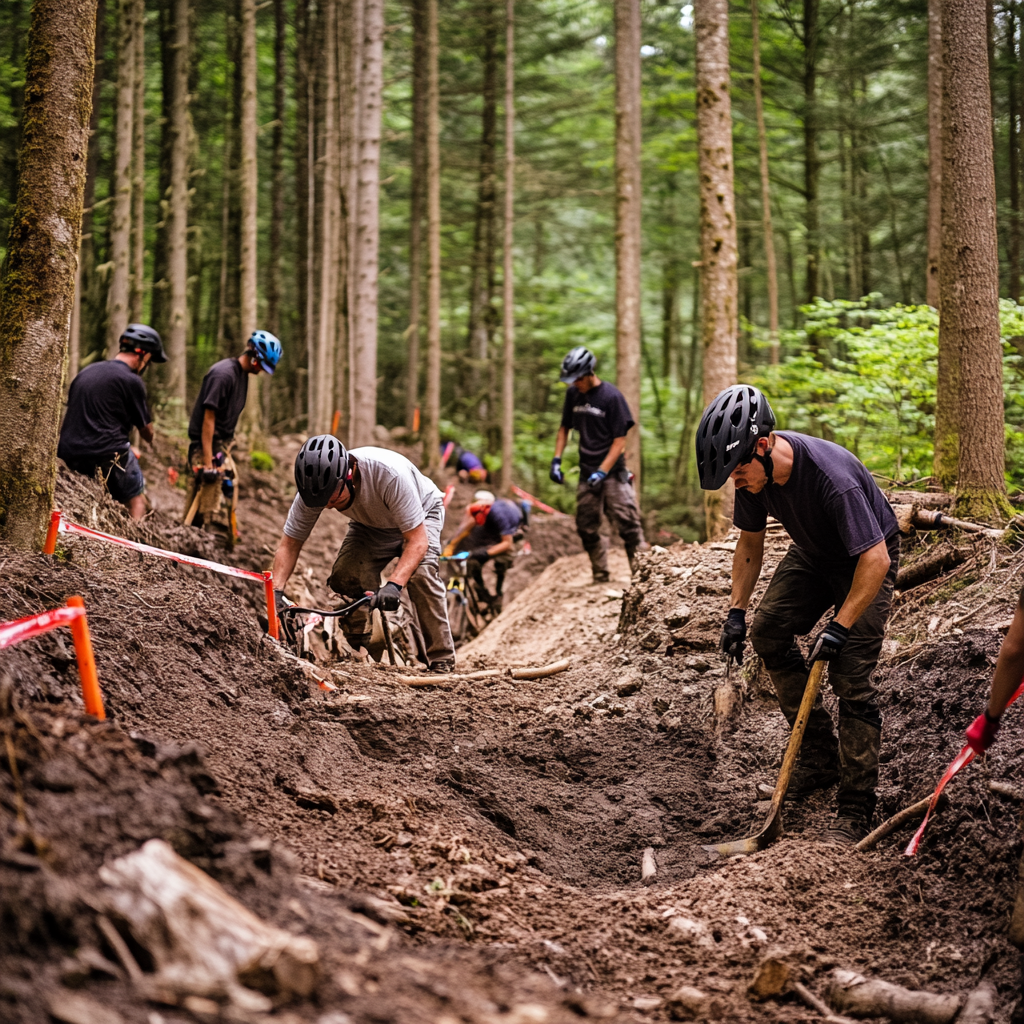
(504, 823)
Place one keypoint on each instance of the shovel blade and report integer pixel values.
(741, 847)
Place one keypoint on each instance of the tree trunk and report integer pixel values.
(670, 317)
(38, 276)
(277, 173)
(357, 22)
(248, 200)
(812, 163)
(363, 365)
(135, 302)
(481, 290)
(508, 314)
(969, 446)
(303, 132)
(177, 212)
(934, 150)
(121, 185)
(628, 209)
(417, 202)
(717, 222)
(351, 13)
(1013, 73)
(432, 395)
(766, 198)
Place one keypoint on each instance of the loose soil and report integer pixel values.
(471, 851)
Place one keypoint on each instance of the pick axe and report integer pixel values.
(773, 826)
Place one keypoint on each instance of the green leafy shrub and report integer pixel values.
(261, 461)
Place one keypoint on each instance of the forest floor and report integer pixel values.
(472, 851)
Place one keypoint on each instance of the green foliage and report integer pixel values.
(261, 461)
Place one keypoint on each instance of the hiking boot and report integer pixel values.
(442, 668)
(602, 576)
(847, 828)
(807, 779)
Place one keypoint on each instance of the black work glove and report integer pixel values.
(555, 472)
(388, 598)
(479, 555)
(734, 634)
(829, 642)
(210, 476)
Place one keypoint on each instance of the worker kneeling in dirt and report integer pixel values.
(488, 532)
(1008, 674)
(105, 401)
(395, 512)
(468, 466)
(844, 555)
(211, 427)
(600, 415)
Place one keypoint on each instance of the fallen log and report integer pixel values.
(871, 840)
(940, 559)
(488, 673)
(853, 994)
(922, 499)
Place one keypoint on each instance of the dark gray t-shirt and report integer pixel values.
(830, 505)
(224, 390)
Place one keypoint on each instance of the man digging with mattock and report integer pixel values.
(395, 512)
(844, 555)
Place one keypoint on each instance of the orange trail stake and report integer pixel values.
(268, 586)
(50, 545)
(86, 661)
(416, 420)
(336, 422)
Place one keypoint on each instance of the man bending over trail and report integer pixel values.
(844, 556)
(395, 512)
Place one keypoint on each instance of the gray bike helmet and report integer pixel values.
(729, 431)
(321, 464)
(580, 362)
(142, 337)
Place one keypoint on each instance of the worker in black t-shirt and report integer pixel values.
(844, 557)
(600, 416)
(211, 427)
(105, 401)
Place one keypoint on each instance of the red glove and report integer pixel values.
(982, 732)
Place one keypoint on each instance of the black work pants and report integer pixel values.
(801, 591)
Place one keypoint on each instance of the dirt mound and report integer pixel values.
(509, 819)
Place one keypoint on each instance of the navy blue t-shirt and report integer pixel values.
(504, 519)
(599, 416)
(830, 505)
(224, 390)
(105, 401)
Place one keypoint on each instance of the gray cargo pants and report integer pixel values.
(800, 592)
(365, 552)
(617, 499)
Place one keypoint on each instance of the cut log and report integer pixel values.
(922, 499)
(940, 559)
(857, 996)
(870, 841)
(648, 866)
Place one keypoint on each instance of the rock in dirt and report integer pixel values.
(770, 979)
(689, 1003)
(678, 617)
(75, 1008)
(684, 929)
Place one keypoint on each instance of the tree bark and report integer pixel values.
(718, 222)
(1013, 141)
(508, 314)
(248, 200)
(934, 151)
(277, 173)
(628, 210)
(417, 203)
(303, 132)
(481, 290)
(177, 211)
(969, 445)
(766, 198)
(135, 302)
(121, 185)
(432, 395)
(38, 276)
(812, 163)
(363, 365)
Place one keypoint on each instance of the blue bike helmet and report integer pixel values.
(267, 349)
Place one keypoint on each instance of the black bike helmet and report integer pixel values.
(321, 464)
(729, 431)
(138, 337)
(580, 362)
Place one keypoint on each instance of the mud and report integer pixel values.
(505, 822)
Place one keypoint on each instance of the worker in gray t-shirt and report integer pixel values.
(844, 557)
(395, 512)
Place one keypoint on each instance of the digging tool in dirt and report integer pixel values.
(386, 626)
(773, 826)
(288, 627)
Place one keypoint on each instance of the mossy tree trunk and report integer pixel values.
(970, 350)
(38, 280)
(432, 392)
(717, 223)
(247, 180)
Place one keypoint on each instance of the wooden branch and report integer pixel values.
(488, 673)
(853, 994)
(939, 560)
(816, 1003)
(871, 840)
(934, 519)
(541, 673)
(1005, 789)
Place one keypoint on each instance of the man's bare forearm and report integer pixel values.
(1009, 667)
(617, 448)
(285, 557)
(868, 577)
(746, 567)
(209, 423)
(561, 441)
(413, 550)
